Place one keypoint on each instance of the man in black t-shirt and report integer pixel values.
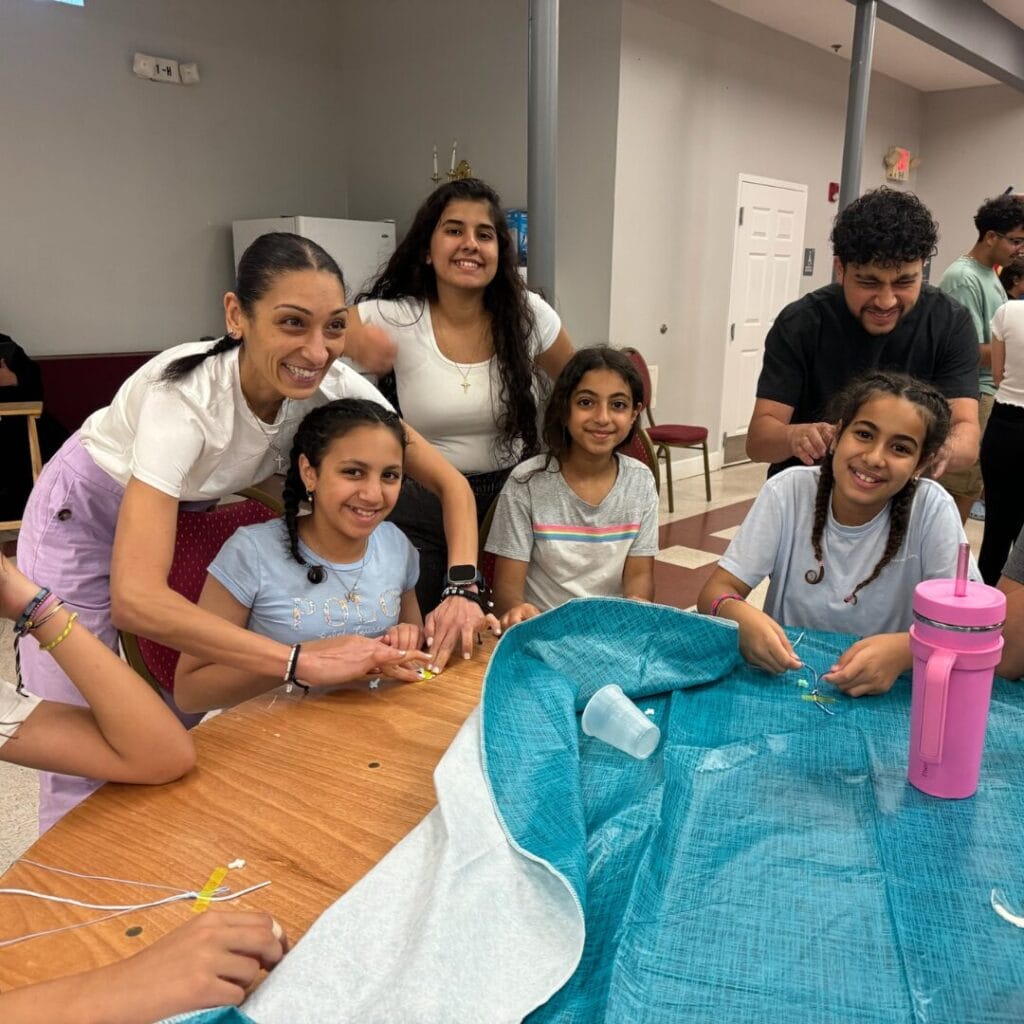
(879, 315)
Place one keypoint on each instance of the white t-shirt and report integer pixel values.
(574, 549)
(459, 420)
(14, 709)
(196, 438)
(1008, 326)
(775, 541)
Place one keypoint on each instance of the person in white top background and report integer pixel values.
(1002, 447)
(197, 423)
(469, 341)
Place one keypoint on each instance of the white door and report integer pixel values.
(766, 265)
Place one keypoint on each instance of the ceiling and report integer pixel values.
(824, 23)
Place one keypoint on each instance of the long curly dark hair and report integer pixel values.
(886, 227)
(934, 410)
(262, 263)
(407, 275)
(317, 430)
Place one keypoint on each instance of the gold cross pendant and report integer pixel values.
(465, 386)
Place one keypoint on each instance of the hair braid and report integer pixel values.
(821, 503)
(292, 495)
(186, 364)
(899, 518)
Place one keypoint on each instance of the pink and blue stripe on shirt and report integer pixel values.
(587, 534)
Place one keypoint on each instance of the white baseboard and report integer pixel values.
(693, 465)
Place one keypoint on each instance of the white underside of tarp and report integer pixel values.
(455, 924)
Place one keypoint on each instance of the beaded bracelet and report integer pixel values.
(26, 616)
(722, 598)
(479, 599)
(57, 641)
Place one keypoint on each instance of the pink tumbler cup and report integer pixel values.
(957, 641)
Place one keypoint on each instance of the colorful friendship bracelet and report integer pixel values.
(26, 616)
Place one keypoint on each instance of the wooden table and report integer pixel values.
(310, 791)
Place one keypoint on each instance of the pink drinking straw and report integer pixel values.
(962, 560)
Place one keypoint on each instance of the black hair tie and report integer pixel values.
(316, 574)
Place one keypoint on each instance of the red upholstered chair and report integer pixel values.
(667, 436)
(641, 449)
(200, 536)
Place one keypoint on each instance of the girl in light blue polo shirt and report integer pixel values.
(328, 578)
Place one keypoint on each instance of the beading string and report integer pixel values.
(220, 895)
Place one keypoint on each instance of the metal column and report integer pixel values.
(542, 144)
(857, 101)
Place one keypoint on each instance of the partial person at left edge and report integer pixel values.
(21, 381)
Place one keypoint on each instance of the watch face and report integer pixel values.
(462, 575)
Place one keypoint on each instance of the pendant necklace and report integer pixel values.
(352, 592)
(465, 385)
(280, 462)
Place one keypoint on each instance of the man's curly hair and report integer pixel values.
(1002, 214)
(884, 227)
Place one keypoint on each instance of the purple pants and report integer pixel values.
(65, 543)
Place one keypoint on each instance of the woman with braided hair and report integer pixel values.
(340, 571)
(194, 424)
(846, 542)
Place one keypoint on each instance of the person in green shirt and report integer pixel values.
(972, 280)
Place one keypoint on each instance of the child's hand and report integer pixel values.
(210, 961)
(763, 642)
(406, 636)
(405, 670)
(518, 613)
(871, 665)
(342, 659)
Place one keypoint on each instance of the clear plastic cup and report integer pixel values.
(613, 718)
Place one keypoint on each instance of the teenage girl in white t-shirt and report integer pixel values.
(451, 316)
(195, 424)
(845, 543)
(340, 570)
(126, 734)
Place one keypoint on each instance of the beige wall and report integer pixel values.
(972, 148)
(417, 74)
(704, 95)
(117, 195)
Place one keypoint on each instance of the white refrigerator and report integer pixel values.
(360, 247)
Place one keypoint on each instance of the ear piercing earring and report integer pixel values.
(310, 495)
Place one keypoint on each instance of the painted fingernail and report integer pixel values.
(430, 641)
(465, 657)
(403, 653)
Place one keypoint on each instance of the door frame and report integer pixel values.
(754, 179)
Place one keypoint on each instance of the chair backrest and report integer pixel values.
(200, 536)
(645, 376)
(641, 449)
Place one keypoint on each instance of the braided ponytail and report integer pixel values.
(821, 502)
(292, 495)
(186, 364)
(899, 518)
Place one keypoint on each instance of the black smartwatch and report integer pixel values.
(462, 576)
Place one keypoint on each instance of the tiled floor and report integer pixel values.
(692, 539)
